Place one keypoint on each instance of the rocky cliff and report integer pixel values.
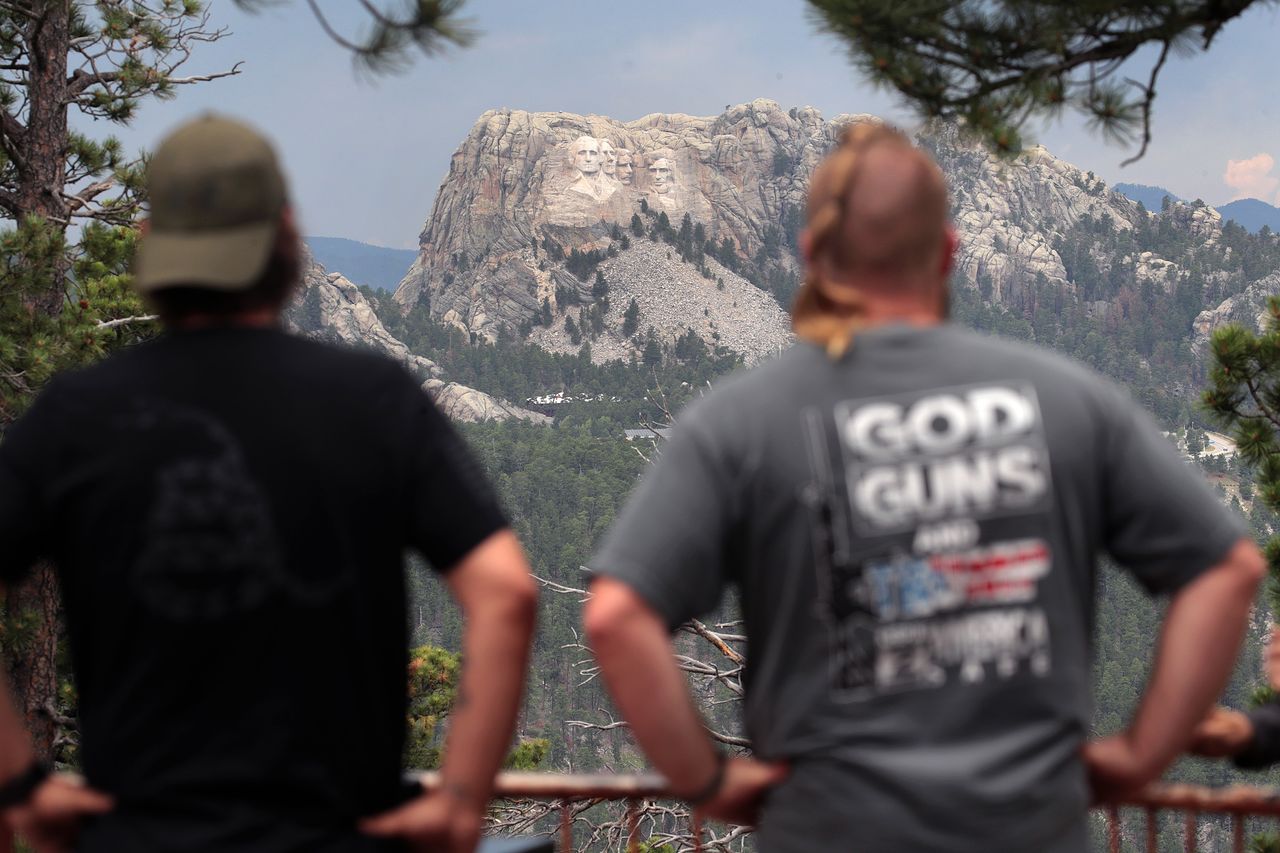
(526, 189)
(1248, 308)
(329, 307)
(1009, 212)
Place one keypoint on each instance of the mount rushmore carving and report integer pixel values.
(600, 169)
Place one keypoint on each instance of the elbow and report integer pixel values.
(1247, 566)
(1253, 565)
(613, 606)
(522, 601)
(513, 603)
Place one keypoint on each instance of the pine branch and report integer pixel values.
(127, 321)
(1266, 412)
(76, 201)
(430, 26)
(698, 629)
(998, 64)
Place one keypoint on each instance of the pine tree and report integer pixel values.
(999, 63)
(600, 288)
(684, 238)
(631, 319)
(64, 296)
(652, 355)
(637, 227)
(1244, 397)
(573, 329)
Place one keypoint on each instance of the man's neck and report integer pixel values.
(260, 318)
(887, 300)
(885, 309)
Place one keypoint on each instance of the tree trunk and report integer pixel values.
(40, 185)
(33, 670)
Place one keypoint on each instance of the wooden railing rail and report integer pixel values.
(1238, 802)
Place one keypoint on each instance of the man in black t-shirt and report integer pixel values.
(227, 508)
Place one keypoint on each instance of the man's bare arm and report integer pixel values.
(634, 650)
(499, 600)
(50, 817)
(16, 753)
(1199, 642)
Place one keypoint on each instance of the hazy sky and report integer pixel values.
(366, 156)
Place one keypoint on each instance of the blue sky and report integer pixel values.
(366, 156)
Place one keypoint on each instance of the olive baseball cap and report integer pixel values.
(216, 195)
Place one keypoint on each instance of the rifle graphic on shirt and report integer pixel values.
(843, 596)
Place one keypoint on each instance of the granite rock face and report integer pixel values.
(1151, 267)
(469, 405)
(673, 299)
(1008, 212)
(522, 180)
(1197, 219)
(519, 179)
(1248, 308)
(328, 307)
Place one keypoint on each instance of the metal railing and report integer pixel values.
(565, 790)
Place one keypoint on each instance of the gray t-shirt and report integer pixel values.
(913, 530)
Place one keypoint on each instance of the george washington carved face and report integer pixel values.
(586, 155)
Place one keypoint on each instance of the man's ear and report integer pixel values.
(950, 242)
(806, 246)
(287, 235)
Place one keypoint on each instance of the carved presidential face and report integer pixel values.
(625, 170)
(608, 158)
(661, 175)
(586, 155)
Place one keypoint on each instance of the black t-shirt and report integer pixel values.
(228, 511)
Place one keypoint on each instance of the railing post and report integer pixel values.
(1153, 831)
(633, 826)
(1191, 830)
(566, 827)
(695, 822)
(1237, 833)
(1113, 829)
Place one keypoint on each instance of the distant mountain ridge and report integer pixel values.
(1151, 197)
(377, 266)
(1252, 214)
(1249, 213)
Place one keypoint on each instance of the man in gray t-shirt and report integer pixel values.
(911, 515)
